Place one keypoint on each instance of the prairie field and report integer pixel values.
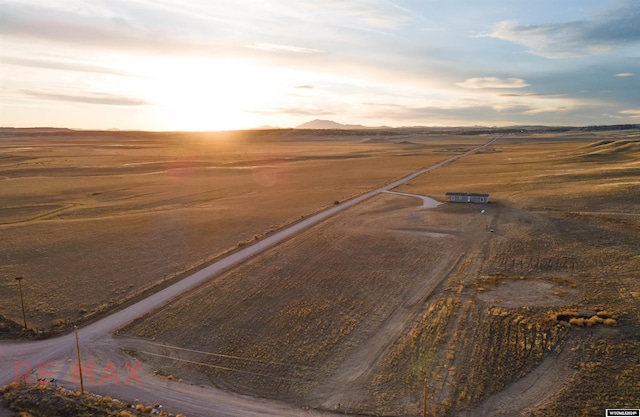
(93, 219)
(529, 308)
(528, 305)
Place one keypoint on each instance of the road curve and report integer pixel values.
(61, 348)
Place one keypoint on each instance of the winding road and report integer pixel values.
(99, 344)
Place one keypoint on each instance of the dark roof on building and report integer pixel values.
(469, 194)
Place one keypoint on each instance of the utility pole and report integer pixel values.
(24, 316)
(424, 409)
(79, 361)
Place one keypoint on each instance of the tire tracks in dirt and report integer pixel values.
(348, 384)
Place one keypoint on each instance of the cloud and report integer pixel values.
(635, 114)
(362, 14)
(201, 28)
(286, 33)
(272, 47)
(530, 95)
(489, 112)
(65, 66)
(120, 29)
(294, 111)
(493, 82)
(625, 74)
(576, 38)
(432, 115)
(95, 98)
(305, 87)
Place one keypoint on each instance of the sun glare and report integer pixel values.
(208, 95)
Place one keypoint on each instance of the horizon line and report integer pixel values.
(346, 128)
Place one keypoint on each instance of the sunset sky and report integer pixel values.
(234, 64)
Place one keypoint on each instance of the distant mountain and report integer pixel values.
(330, 124)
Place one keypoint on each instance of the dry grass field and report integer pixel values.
(540, 317)
(526, 338)
(91, 219)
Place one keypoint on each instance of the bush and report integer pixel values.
(47, 400)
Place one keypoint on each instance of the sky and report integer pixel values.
(237, 64)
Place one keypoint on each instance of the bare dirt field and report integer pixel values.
(539, 317)
(92, 219)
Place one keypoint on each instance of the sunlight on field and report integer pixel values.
(133, 210)
(367, 305)
(525, 303)
(204, 95)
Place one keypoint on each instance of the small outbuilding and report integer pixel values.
(467, 198)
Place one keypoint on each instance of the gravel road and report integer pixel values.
(189, 399)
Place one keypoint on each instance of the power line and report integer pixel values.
(221, 355)
(219, 367)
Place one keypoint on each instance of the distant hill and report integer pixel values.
(34, 129)
(330, 124)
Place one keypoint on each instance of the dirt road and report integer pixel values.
(96, 337)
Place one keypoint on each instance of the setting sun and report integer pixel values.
(205, 95)
(237, 65)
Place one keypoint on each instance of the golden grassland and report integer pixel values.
(540, 317)
(91, 219)
(570, 237)
(300, 306)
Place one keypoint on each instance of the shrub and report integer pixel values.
(9, 387)
(605, 314)
(577, 321)
(596, 320)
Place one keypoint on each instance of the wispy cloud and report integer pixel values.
(493, 82)
(529, 95)
(368, 14)
(119, 30)
(283, 33)
(575, 38)
(95, 98)
(210, 28)
(493, 111)
(283, 48)
(295, 111)
(476, 115)
(635, 114)
(63, 65)
(282, 61)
